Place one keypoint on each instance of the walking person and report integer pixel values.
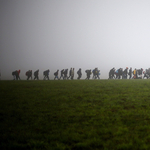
(17, 75)
(135, 74)
(65, 74)
(72, 74)
(56, 74)
(94, 73)
(14, 75)
(79, 74)
(29, 74)
(98, 74)
(36, 73)
(46, 74)
(130, 73)
(125, 73)
(61, 74)
(88, 74)
(111, 73)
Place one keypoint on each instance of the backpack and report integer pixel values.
(44, 73)
(13, 73)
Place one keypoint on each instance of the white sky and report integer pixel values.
(60, 34)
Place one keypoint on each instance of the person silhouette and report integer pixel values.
(46, 74)
(36, 73)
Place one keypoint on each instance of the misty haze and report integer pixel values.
(82, 34)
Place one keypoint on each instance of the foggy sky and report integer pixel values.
(60, 34)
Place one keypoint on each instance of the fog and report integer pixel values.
(60, 34)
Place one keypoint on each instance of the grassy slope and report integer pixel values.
(94, 114)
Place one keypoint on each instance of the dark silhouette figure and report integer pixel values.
(65, 74)
(36, 75)
(62, 74)
(79, 73)
(88, 74)
(111, 73)
(56, 75)
(94, 73)
(130, 73)
(98, 74)
(29, 74)
(70, 72)
(118, 73)
(145, 74)
(16, 75)
(125, 73)
(139, 73)
(46, 74)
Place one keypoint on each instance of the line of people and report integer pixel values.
(63, 74)
(125, 74)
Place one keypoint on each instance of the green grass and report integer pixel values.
(72, 115)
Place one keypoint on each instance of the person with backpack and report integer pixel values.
(79, 74)
(145, 74)
(56, 74)
(139, 73)
(36, 73)
(65, 74)
(61, 74)
(98, 74)
(46, 74)
(111, 73)
(70, 72)
(125, 73)
(17, 73)
(14, 75)
(88, 74)
(29, 74)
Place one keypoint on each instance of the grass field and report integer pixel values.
(72, 115)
